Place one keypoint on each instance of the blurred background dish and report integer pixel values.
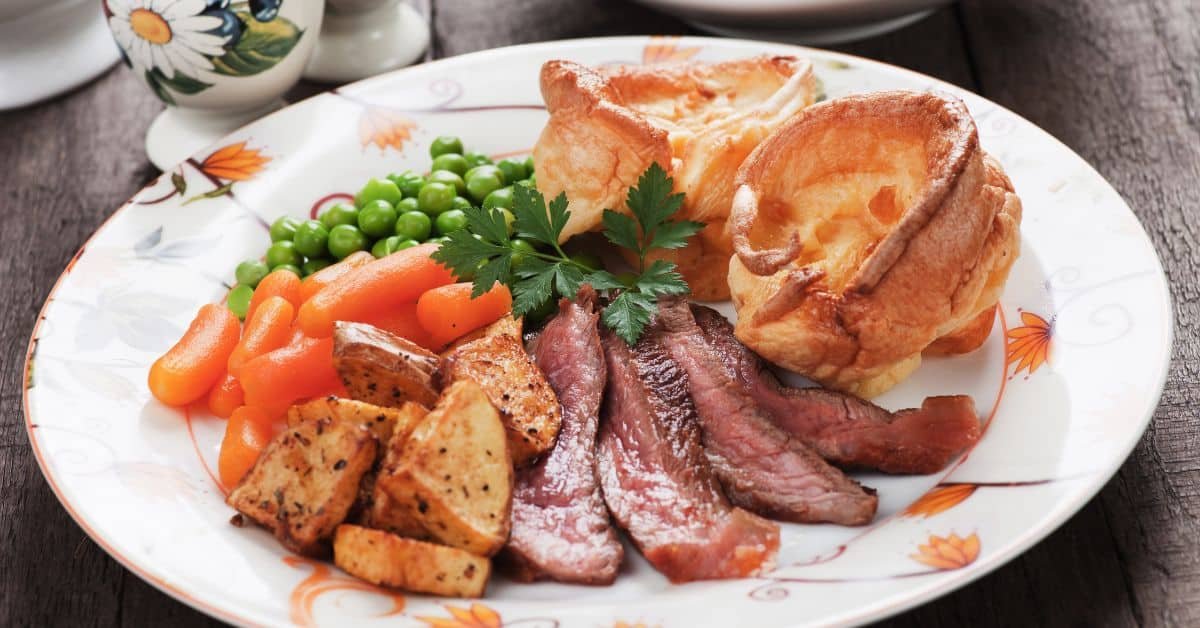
(799, 21)
(397, 34)
(50, 46)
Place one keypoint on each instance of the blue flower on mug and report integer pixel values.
(184, 46)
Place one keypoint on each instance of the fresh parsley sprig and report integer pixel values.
(485, 252)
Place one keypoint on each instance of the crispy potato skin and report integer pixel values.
(869, 227)
(388, 560)
(528, 406)
(698, 121)
(383, 422)
(451, 480)
(305, 481)
(382, 368)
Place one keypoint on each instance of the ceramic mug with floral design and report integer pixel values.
(216, 63)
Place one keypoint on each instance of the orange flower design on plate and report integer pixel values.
(234, 162)
(322, 581)
(477, 616)
(1029, 345)
(667, 50)
(383, 127)
(940, 499)
(952, 552)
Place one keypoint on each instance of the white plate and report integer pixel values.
(1067, 382)
(814, 22)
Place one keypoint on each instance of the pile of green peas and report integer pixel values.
(390, 214)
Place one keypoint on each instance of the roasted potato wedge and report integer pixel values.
(305, 482)
(528, 406)
(383, 422)
(382, 368)
(387, 560)
(451, 480)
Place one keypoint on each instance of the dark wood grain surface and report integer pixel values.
(1117, 81)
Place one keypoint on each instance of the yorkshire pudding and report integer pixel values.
(699, 121)
(866, 229)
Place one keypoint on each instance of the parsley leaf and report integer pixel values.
(628, 315)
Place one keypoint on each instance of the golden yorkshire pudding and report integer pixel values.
(699, 121)
(867, 230)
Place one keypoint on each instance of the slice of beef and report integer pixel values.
(762, 467)
(561, 529)
(656, 480)
(845, 430)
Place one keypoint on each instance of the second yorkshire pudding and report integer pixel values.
(698, 121)
(867, 229)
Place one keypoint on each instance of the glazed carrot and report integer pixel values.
(449, 312)
(187, 371)
(246, 435)
(403, 322)
(377, 287)
(313, 283)
(274, 380)
(225, 396)
(280, 283)
(267, 329)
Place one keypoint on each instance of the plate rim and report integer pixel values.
(1017, 546)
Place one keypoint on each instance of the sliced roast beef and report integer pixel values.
(560, 525)
(656, 480)
(843, 429)
(762, 467)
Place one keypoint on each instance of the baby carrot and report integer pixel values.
(267, 329)
(379, 286)
(246, 435)
(402, 321)
(313, 283)
(280, 283)
(449, 312)
(188, 370)
(274, 380)
(225, 396)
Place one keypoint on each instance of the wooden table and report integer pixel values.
(1117, 81)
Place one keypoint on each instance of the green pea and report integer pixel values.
(500, 198)
(449, 178)
(435, 198)
(413, 225)
(376, 190)
(291, 268)
(239, 300)
(284, 228)
(587, 260)
(529, 165)
(438, 240)
(483, 183)
(460, 203)
(487, 170)
(509, 219)
(340, 214)
(451, 161)
(283, 252)
(384, 246)
(532, 180)
(406, 244)
(311, 238)
(346, 239)
(522, 250)
(527, 183)
(377, 219)
(250, 272)
(452, 220)
(409, 183)
(513, 170)
(406, 204)
(476, 158)
(445, 144)
(314, 265)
